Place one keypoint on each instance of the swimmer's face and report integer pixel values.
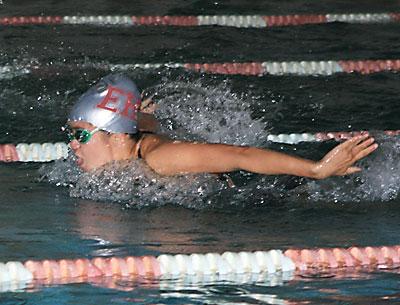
(96, 152)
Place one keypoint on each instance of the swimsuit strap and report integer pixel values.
(138, 154)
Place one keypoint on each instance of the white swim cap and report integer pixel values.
(112, 105)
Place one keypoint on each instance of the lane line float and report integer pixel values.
(294, 261)
(239, 21)
(34, 152)
(299, 68)
(45, 152)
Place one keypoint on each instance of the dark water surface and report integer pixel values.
(41, 220)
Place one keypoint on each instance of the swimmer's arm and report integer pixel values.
(173, 158)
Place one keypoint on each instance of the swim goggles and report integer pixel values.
(80, 134)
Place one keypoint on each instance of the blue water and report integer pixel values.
(49, 212)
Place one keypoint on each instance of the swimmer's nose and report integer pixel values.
(74, 144)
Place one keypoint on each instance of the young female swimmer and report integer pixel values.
(103, 127)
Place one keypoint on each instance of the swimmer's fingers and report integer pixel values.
(359, 151)
(364, 149)
(354, 141)
(352, 170)
(359, 146)
(364, 144)
(340, 160)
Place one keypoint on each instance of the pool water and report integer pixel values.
(55, 211)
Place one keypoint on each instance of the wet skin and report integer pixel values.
(101, 149)
(167, 157)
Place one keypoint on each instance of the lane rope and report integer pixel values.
(300, 68)
(240, 21)
(34, 152)
(45, 152)
(297, 261)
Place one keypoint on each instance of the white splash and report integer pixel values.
(214, 114)
(378, 181)
(134, 184)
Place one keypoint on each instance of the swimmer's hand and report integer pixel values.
(340, 160)
(148, 106)
(146, 119)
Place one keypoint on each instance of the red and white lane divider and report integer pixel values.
(241, 21)
(10, 71)
(300, 68)
(36, 152)
(295, 138)
(181, 265)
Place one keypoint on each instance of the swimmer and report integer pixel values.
(106, 125)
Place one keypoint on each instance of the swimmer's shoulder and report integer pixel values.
(150, 142)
